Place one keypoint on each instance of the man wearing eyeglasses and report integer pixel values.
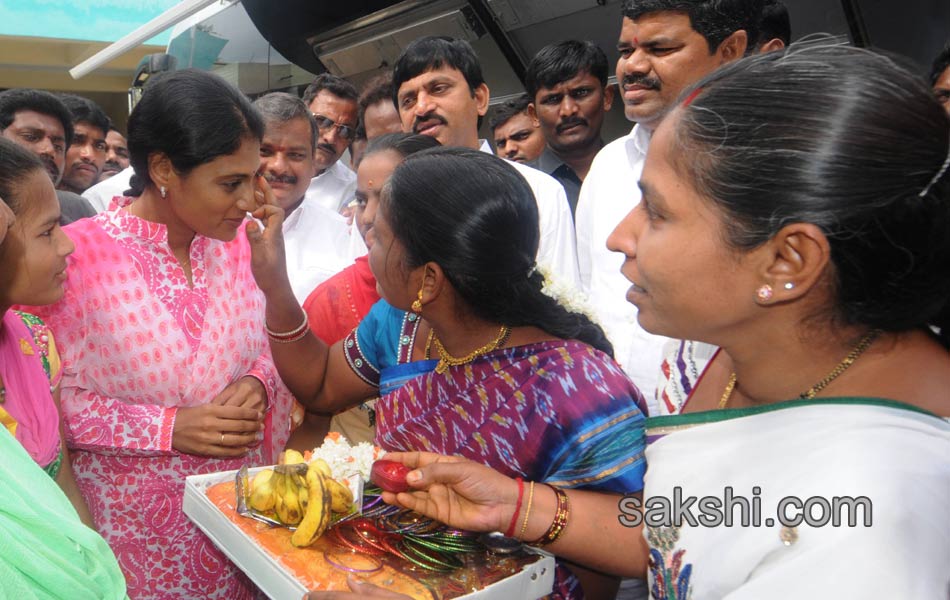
(334, 104)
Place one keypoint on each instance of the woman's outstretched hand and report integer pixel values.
(456, 491)
(268, 262)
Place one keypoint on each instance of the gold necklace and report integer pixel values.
(810, 393)
(446, 360)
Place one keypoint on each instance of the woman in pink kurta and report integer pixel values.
(151, 337)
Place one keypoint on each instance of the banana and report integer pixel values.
(317, 518)
(322, 466)
(277, 485)
(291, 457)
(292, 512)
(303, 491)
(341, 496)
(262, 491)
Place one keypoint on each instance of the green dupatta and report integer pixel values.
(45, 550)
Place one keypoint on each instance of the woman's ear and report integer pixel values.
(796, 259)
(160, 169)
(433, 283)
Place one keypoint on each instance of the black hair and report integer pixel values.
(842, 138)
(45, 103)
(403, 144)
(941, 63)
(280, 107)
(559, 62)
(339, 87)
(434, 52)
(507, 109)
(16, 163)
(84, 110)
(774, 23)
(475, 216)
(715, 20)
(378, 89)
(192, 117)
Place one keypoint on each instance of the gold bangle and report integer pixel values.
(560, 519)
(527, 511)
(289, 336)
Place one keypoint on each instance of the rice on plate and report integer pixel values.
(346, 460)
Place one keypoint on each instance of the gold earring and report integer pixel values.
(417, 303)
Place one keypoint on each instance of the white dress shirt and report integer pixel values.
(334, 188)
(319, 243)
(100, 195)
(610, 192)
(556, 249)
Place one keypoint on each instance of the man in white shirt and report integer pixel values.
(438, 90)
(663, 48)
(333, 103)
(100, 195)
(318, 241)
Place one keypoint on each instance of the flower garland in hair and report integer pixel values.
(565, 294)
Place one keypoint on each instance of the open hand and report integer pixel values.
(456, 491)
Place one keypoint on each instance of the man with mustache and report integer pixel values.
(517, 135)
(333, 103)
(317, 240)
(567, 84)
(665, 46)
(439, 91)
(117, 154)
(40, 122)
(86, 156)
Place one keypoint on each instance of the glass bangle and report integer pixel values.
(328, 556)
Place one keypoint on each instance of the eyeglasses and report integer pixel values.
(347, 132)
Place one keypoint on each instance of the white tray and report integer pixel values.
(535, 581)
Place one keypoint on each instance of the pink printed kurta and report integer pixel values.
(137, 343)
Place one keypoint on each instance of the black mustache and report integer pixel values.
(428, 117)
(280, 178)
(328, 147)
(111, 164)
(570, 122)
(647, 82)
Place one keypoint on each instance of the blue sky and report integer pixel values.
(94, 20)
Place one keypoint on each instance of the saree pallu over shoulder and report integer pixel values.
(555, 411)
(876, 467)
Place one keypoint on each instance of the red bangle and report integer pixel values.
(514, 518)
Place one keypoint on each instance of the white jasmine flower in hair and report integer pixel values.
(565, 294)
